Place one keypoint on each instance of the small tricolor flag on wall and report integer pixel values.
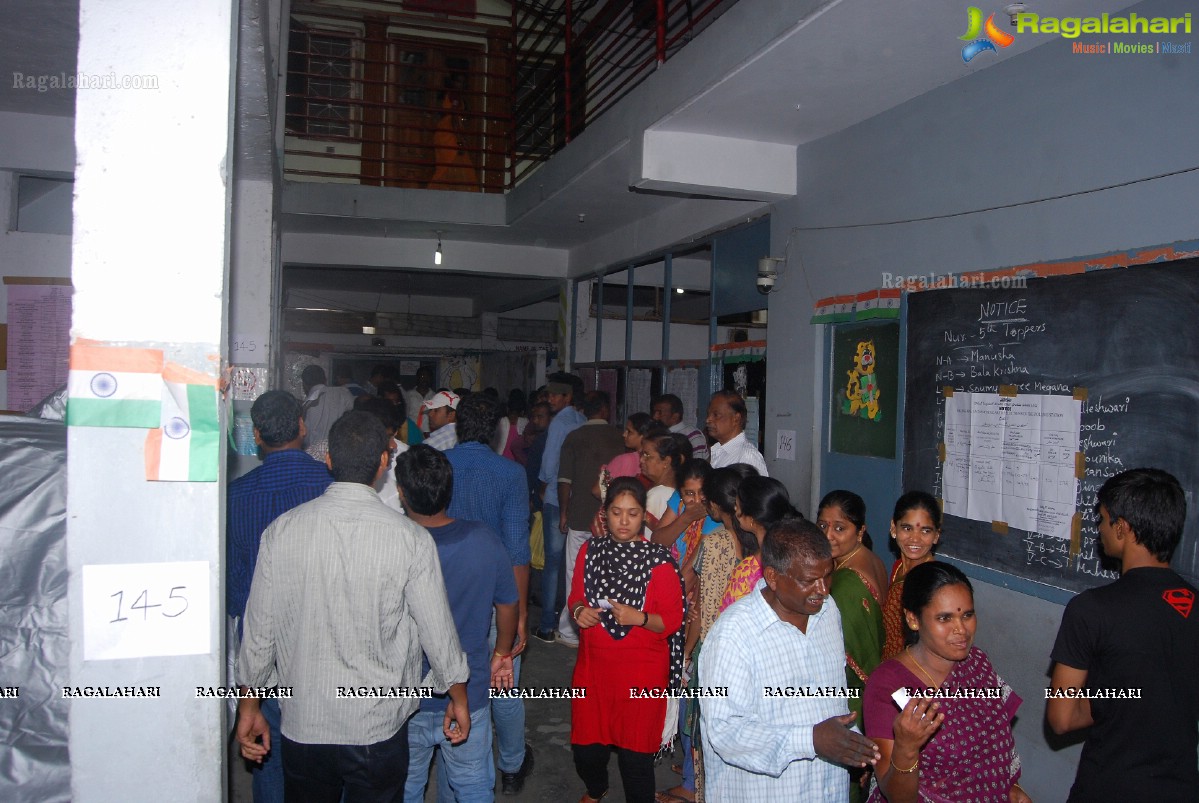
(114, 387)
(837, 309)
(882, 303)
(186, 445)
(877, 304)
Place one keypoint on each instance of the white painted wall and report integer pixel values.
(39, 144)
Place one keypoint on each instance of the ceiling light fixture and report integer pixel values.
(437, 253)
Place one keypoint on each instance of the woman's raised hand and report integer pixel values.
(917, 722)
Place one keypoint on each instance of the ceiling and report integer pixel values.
(839, 63)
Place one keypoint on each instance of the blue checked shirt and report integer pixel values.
(565, 422)
(285, 480)
(759, 748)
(492, 489)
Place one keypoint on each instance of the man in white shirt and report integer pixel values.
(323, 404)
(667, 410)
(783, 730)
(726, 423)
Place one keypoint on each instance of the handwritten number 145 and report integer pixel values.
(142, 603)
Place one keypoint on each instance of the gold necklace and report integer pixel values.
(849, 557)
(923, 671)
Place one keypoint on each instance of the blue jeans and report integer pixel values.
(267, 778)
(555, 542)
(508, 715)
(465, 773)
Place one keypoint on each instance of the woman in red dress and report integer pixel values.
(628, 604)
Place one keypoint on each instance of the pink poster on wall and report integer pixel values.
(39, 323)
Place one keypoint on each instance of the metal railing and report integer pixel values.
(465, 102)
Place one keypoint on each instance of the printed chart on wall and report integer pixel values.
(1021, 402)
(39, 320)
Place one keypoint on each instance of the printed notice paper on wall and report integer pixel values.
(136, 610)
(1011, 459)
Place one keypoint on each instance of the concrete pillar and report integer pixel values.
(254, 285)
(149, 267)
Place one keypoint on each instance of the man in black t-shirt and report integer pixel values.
(1127, 654)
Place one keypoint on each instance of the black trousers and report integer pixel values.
(636, 771)
(320, 773)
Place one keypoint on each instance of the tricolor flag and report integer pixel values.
(877, 304)
(186, 445)
(114, 387)
(824, 311)
(842, 309)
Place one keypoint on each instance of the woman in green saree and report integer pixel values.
(859, 587)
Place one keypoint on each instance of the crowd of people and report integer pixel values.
(385, 548)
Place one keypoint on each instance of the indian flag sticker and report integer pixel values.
(114, 387)
(186, 446)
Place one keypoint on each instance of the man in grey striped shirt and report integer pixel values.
(347, 593)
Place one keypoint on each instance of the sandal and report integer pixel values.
(586, 798)
(677, 768)
(669, 796)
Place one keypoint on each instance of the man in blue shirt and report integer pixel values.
(287, 478)
(491, 489)
(474, 568)
(565, 398)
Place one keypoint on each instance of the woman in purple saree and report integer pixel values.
(952, 742)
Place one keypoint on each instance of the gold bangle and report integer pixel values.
(575, 613)
(910, 769)
(498, 654)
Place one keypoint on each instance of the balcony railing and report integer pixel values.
(462, 100)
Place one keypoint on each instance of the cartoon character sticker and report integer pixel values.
(861, 391)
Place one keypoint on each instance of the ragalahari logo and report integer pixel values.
(976, 44)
